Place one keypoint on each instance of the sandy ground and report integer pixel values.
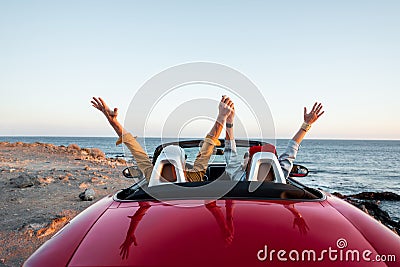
(40, 186)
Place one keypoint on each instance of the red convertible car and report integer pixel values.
(220, 222)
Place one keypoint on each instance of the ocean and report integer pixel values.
(344, 166)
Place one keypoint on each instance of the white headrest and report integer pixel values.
(173, 152)
(266, 157)
(174, 155)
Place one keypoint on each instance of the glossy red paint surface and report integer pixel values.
(384, 240)
(226, 233)
(59, 249)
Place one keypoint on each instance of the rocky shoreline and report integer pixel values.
(40, 186)
(43, 187)
(369, 203)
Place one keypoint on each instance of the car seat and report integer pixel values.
(169, 167)
(261, 164)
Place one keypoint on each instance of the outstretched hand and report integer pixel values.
(101, 105)
(225, 107)
(126, 246)
(111, 115)
(231, 115)
(314, 114)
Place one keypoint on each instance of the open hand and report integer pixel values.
(101, 105)
(225, 107)
(126, 246)
(231, 115)
(314, 114)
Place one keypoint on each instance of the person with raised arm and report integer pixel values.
(239, 172)
(193, 174)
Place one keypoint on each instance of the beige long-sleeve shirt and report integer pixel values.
(194, 174)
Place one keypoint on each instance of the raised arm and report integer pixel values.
(111, 115)
(225, 107)
(138, 153)
(309, 119)
(233, 164)
(287, 158)
(200, 164)
(229, 135)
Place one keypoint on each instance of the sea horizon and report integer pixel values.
(200, 137)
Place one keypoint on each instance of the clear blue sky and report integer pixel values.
(56, 55)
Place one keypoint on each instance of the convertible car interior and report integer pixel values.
(167, 182)
(237, 190)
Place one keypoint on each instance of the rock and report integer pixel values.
(73, 147)
(87, 195)
(337, 194)
(55, 224)
(97, 153)
(121, 161)
(32, 228)
(44, 229)
(369, 203)
(45, 180)
(84, 185)
(24, 180)
(64, 178)
(377, 196)
(85, 151)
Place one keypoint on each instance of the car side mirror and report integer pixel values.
(132, 172)
(298, 171)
